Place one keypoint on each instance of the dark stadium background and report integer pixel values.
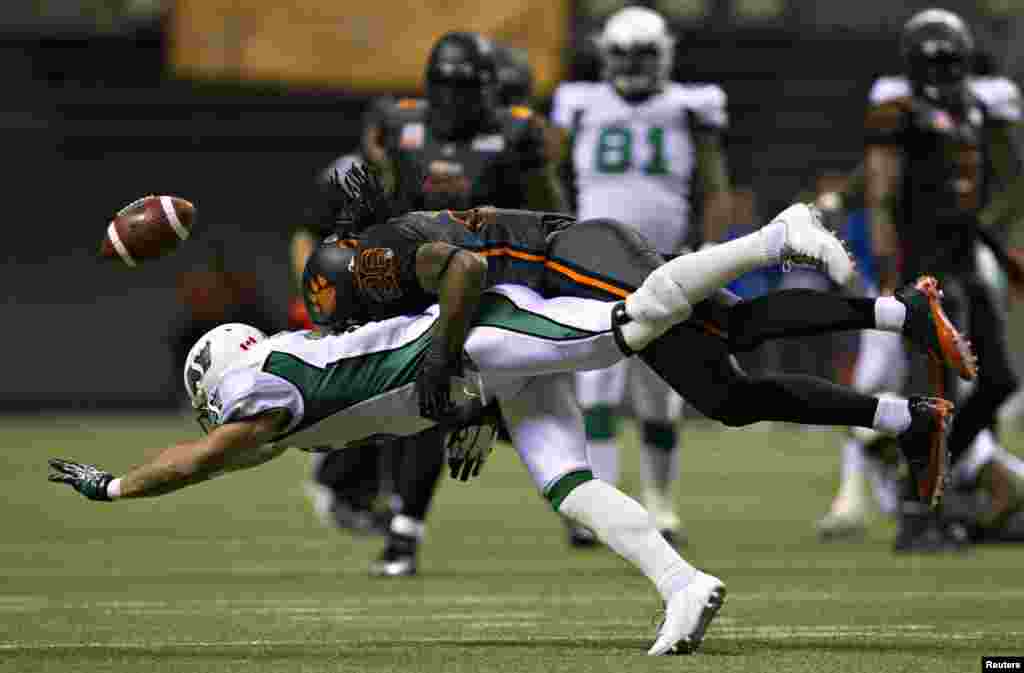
(98, 111)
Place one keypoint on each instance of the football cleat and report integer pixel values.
(687, 616)
(663, 516)
(924, 446)
(929, 328)
(809, 243)
(847, 517)
(922, 532)
(398, 558)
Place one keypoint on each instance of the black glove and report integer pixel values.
(88, 480)
(434, 383)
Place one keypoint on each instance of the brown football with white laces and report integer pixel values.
(148, 228)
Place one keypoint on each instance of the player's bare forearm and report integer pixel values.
(717, 216)
(882, 168)
(715, 184)
(229, 447)
(459, 297)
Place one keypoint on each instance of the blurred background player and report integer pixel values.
(988, 482)
(940, 163)
(472, 150)
(637, 141)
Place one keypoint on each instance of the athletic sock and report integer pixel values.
(892, 415)
(854, 461)
(890, 314)
(668, 295)
(603, 456)
(659, 456)
(625, 526)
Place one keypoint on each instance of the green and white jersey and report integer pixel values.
(342, 387)
(635, 163)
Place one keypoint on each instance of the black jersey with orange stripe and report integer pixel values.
(515, 243)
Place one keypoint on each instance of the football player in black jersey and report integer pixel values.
(474, 142)
(941, 173)
(396, 262)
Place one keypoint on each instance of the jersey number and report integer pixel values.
(615, 150)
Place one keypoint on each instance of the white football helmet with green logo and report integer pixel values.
(211, 356)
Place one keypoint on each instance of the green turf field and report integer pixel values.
(238, 575)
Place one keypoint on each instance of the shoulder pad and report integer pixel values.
(1000, 95)
(707, 102)
(886, 89)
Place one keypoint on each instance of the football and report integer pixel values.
(148, 228)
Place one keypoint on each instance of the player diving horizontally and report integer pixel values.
(256, 396)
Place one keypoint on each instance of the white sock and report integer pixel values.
(625, 526)
(892, 415)
(890, 314)
(407, 526)
(668, 295)
(603, 456)
(853, 459)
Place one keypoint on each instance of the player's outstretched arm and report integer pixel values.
(458, 277)
(229, 447)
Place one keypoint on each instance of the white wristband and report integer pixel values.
(114, 489)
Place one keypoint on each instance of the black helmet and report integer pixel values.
(328, 286)
(937, 47)
(461, 77)
(515, 76)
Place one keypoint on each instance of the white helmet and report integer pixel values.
(206, 363)
(637, 52)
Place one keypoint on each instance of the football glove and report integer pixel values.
(471, 442)
(88, 480)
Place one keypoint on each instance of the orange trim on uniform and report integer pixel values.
(559, 268)
(408, 104)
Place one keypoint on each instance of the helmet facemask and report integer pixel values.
(637, 52)
(208, 360)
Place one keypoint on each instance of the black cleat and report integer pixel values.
(922, 532)
(398, 558)
(929, 328)
(924, 446)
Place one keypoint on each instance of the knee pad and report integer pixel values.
(660, 435)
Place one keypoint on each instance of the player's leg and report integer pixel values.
(420, 464)
(344, 489)
(711, 380)
(547, 430)
(657, 408)
(600, 393)
(915, 312)
(880, 367)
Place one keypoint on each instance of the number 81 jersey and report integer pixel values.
(636, 162)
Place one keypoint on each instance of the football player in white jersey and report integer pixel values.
(638, 140)
(255, 396)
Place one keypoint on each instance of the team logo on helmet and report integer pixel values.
(376, 274)
(197, 369)
(323, 295)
